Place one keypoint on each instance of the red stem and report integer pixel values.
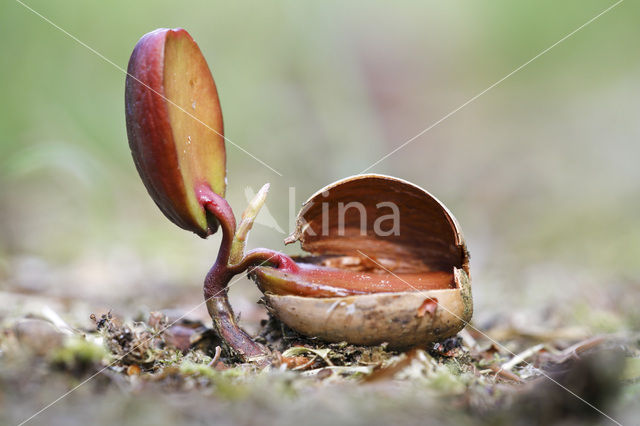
(238, 342)
(220, 208)
(261, 256)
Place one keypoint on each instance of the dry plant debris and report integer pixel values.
(469, 371)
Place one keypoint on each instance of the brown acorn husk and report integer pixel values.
(430, 239)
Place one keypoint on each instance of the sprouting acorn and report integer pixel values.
(387, 261)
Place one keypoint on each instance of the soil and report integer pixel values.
(166, 368)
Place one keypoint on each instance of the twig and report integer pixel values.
(521, 357)
(57, 321)
(506, 374)
(216, 357)
(580, 347)
(307, 364)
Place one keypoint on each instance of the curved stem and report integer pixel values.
(237, 341)
(260, 256)
(221, 210)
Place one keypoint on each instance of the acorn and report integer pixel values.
(174, 126)
(388, 263)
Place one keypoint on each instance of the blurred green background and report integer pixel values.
(541, 171)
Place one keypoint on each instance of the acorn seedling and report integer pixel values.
(176, 136)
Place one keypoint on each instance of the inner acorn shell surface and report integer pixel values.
(352, 255)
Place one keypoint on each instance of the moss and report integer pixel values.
(446, 381)
(465, 293)
(229, 385)
(232, 384)
(78, 354)
(190, 368)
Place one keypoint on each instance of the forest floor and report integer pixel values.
(63, 363)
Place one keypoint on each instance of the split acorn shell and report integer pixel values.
(409, 308)
(174, 126)
(362, 283)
